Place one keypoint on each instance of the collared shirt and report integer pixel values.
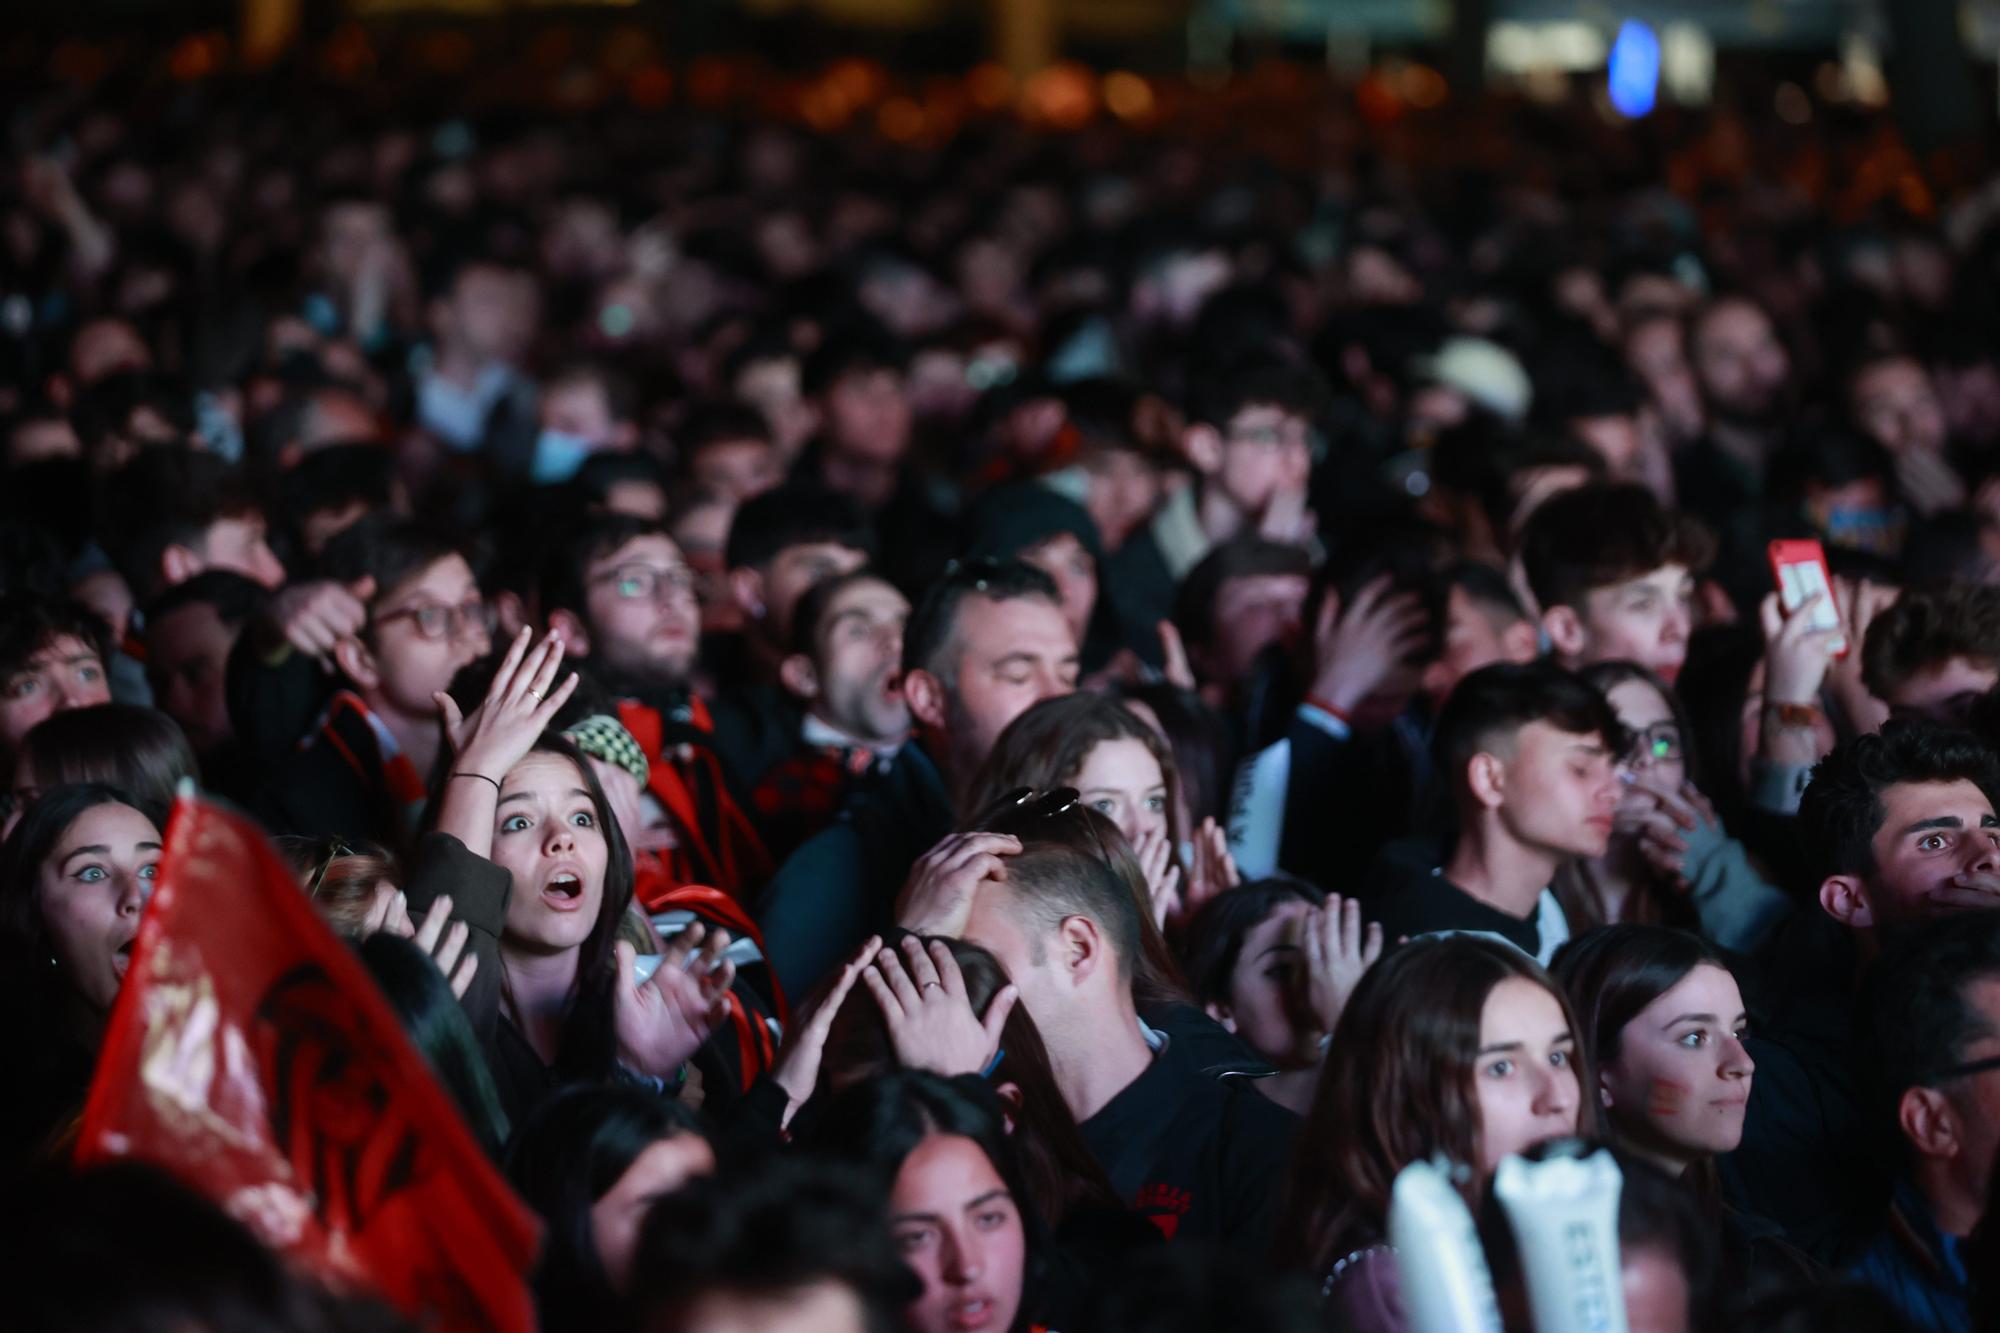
(1919, 1268)
(825, 736)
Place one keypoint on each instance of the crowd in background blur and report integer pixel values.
(937, 718)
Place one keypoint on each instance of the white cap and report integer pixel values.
(1483, 371)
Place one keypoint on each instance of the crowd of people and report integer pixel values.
(998, 734)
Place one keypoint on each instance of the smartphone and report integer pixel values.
(1799, 569)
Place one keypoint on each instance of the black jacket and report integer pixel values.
(1201, 1157)
(841, 885)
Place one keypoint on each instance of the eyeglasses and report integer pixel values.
(335, 853)
(434, 620)
(646, 583)
(1657, 744)
(1966, 1070)
(1025, 805)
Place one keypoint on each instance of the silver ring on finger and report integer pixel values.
(537, 693)
(928, 984)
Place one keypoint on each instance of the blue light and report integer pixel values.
(1635, 68)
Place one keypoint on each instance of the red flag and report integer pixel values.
(250, 1054)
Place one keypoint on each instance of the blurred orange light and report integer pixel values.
(990, 86)
(198, 56)
(861, 82)
(1423, 87)
(901, 120)
(1062, 96)
(650, 87)
(1128, 96)
(709, 81)
(447, 52)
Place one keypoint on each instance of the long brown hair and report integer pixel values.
(1398, 1087)
(1059, 1170)
(1047, 746)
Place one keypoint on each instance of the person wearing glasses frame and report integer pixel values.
(363, 768)
(1930, 1037)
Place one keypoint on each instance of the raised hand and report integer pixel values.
(1214, 870)
(444, 940)
(1163, 874)
(1337, 952)
(937, 897)
(312, 617)
(1359, 648)
(932, 1026)
(1796, 656)
(797, 1067)
(665, 1019)
(1176, 669)
(518, 707)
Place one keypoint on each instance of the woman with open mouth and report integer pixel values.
(75, 876)
(528, 848)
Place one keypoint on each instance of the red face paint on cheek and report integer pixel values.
(1665, 1097)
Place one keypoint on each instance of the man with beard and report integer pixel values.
(621, 598)
(844, 667)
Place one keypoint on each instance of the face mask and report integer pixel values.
(558, 455)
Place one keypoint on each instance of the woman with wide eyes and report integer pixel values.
(75, 877)
(534, 863)
(1455, 1046)
(958, 1213)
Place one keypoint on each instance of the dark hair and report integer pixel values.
(724, 421)
(1059, 1170)
(1926, 627)
(1216, 397)
(387, 548)
(585, 543)
(795, 514)
(1237, 558)
(1399, 1088)
(814, 603)
(1485, 587)
(878, 1123)
(621, 396)
(1212, 941)
(1491, 705)
(184, 1262)
(29, 624)
(437, 1026)
(139, 750)
(335, 477)
(933, 626)
(1915, 1018)
(166, 496)
(1048, 884)
(235, 597)
(773, 1228)
(571, 1151)
(23, 934)
(1841, 810)
(854, 344)
(1613, 972)
(1597, 535)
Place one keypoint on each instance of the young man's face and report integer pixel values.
(240, 544)
(1931, 834)
(1561, 791)
(422, 632)
(867, 433)
(1011, 654)
(187, 658)
(1645, 620)
(581, 408)
(792, 571)
(1943, 691)
(1265, 451)
(1252, 613)
(859, 661)
(739, 469)
(641, 613)
(1895, 403)
(65, 673)
(1476, 636)
(1739, 363)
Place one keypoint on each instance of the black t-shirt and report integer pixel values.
(1200, 1157)
(1413, 898)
